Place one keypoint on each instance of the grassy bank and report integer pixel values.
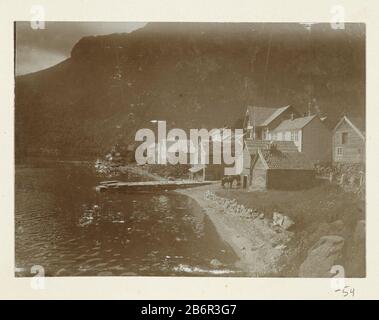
(262, 251)
(323, 210)
(324, 203)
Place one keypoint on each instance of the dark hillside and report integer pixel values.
(192, 75)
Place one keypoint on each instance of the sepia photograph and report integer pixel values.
(190, 149)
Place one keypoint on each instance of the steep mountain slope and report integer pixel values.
(192, 75)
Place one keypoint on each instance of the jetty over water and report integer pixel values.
(149, 185)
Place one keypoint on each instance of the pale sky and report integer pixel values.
(38, 49)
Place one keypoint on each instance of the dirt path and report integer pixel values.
(258, 246)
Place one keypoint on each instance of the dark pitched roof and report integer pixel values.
(297, 123)
(253, 145)
(284, 146)
(261, 116)
(276, 159)
(274, 115)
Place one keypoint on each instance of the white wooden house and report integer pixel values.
(309, 134)
(349, 140)
(259, 121)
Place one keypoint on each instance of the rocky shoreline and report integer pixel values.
(269, 244)
(260, 244)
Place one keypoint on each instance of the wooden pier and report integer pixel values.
(149, 186)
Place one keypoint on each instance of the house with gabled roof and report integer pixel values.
(310, 135)
(259, 121)
(251, 176)
(253, 145)
(349, 140)
(251, 148)
(212, 171)
(275, 169)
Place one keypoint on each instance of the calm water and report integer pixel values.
(64, 225)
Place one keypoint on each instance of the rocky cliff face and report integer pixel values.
(192, 75)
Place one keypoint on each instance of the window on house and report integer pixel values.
(296, 135)
(339, 151)
(292, 135)
(344, 137)
(274, 136)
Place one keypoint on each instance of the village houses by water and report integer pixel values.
(282, 148)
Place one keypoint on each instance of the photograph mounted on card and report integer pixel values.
(190, 148)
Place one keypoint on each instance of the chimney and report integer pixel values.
(292, 116)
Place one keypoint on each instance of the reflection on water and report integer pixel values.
(64, 225)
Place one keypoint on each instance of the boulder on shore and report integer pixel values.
(216, 263)
(324, 254)
(282, 221)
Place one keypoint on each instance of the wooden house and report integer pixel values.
(310, 135)
(274, 169)
(210, 170)
(251, 150)
(349, 140)
(197, 172)
(207, 171)
(259, 121)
